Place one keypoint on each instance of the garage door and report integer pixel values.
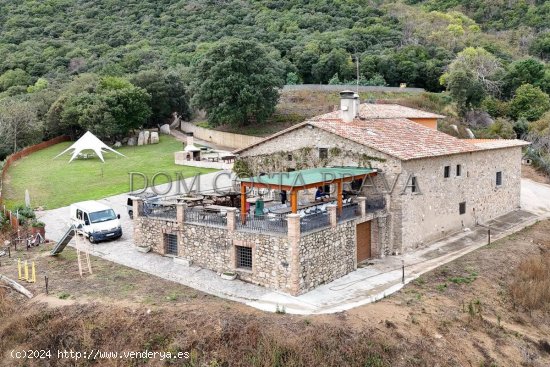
(363, 241)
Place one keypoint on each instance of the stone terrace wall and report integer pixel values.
(214, 248)
(327, 255)
(150, 232)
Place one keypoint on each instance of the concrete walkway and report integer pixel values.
(367, 284)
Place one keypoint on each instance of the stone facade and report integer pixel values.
(291, 262)
(214, 248)
(327, 255)
(414, 219)
(434, 212)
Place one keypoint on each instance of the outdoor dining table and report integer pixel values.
(215, 208)
(288, 210)
(191, 199)
(253, 200)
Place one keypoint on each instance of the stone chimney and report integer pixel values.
(190, 139)
(349, 105)
(190, 146)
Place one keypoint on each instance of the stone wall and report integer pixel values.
(149, 232)
(327, 255)
(214, 248)
(414, 219)
(434, 213)
(303, 143)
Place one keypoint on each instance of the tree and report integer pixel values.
(466, 90)
(481, 65)
(168, 94)
(529, 102)
(541, 126)
(236, 82)
(18, 125)
(109, 108)
(541, 46)
(528, 71)
(13, 78)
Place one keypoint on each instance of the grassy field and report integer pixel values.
(53, 183)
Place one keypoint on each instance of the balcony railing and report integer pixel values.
(200, 216)
(158, 211)
(374, 204)
(263, 224)
(314, 221)
(349, 211)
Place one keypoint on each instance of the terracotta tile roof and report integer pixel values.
(387, 111)
(496, 143)
(400, 138)
(397, 137)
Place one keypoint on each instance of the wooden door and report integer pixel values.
(363, 241)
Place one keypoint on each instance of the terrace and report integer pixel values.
(259, 213)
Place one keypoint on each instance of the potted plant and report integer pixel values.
(229, 275)
(38, 227)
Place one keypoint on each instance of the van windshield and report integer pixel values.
(102, 216)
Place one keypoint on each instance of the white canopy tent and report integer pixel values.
(91, 142)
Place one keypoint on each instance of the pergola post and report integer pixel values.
(294, 201)
(339, 191)
(243, 203)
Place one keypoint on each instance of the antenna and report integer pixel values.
(357, 75)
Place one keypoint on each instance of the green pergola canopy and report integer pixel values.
(308, 177)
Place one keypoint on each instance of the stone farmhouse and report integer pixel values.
(393, 183)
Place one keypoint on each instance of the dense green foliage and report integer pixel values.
(236, 82)
(58, 54)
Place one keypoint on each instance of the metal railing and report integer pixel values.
(314, 221)
(349, 211)
(263, 224)
(374, 204)
(200, 216)
(159, 211)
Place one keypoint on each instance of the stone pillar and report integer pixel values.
(180, 214)
(231, 219)
(137, 206)
(294, 244)
(362, 201)
(332, 215)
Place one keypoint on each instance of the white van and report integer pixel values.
(97, 221)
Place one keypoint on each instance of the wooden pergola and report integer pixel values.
(295, 181)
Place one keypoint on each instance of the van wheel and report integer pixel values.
(91, 239)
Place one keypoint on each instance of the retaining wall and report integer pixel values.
(231, 140)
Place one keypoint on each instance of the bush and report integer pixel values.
(531, 287)
(38, 224)
(25, 214)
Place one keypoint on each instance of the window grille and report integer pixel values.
(447, 172)
(323, 153)
(458, 170)
(244, 257)
(170, 244)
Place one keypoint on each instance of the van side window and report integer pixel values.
(79, 214)
(86, 219)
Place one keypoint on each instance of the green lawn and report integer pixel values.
(54, 183)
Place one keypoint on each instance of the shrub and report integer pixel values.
(531, 287)
(25, 214)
